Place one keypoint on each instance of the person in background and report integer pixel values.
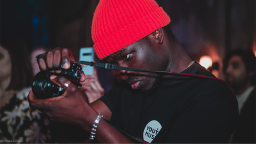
(92, 87)
(239, 70)
(18, 121)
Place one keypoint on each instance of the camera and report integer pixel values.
(43, 87)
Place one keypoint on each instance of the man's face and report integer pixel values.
(143, 55)
(236, 74)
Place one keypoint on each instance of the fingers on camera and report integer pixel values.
(49, 60)
(53, 60)
(56, 59)
(66, 84)
(42, 64)
(65, 58)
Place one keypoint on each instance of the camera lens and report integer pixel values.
(40, 82)
(43, 85)
(78, 74)
(44, 88)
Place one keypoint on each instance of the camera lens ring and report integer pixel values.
(78, 74)
(43, 85)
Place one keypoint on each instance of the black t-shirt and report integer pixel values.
(182, 109)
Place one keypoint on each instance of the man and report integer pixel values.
(148, 107)
(239, 68)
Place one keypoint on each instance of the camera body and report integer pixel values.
(43, 87)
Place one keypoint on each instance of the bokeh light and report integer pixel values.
(205, 61)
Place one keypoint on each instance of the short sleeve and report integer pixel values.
(110, 99)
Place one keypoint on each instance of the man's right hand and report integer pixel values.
(72, 106)
(55, 58)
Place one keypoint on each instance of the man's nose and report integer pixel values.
(123, 73)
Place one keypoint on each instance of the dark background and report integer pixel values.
(204, 27)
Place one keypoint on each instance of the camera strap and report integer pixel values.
(111, 66)
(116, 67)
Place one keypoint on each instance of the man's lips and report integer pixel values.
(135, 85)
(134, 82)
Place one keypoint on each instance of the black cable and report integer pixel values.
(116, 67)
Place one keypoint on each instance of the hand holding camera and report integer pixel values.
(64, 106)
(52, 63)
(43, 87)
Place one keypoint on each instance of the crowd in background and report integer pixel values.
(199, 25)
(19, 122)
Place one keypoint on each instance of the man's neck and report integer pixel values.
(180, 61)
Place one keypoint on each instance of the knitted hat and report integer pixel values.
(119, 23)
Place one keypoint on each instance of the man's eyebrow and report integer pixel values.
(115, 55)
(118, 54)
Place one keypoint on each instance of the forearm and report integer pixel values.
(105, 133)
(108, 134)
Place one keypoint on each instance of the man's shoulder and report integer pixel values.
(215, 89)
(214, 84)
(207, 82)
(206, 85)
(200, 70)
(203, 85)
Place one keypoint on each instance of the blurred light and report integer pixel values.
(215, 73)
(254, 47)
(205, 61)
(35, 21)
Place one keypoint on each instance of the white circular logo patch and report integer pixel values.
(151, 130)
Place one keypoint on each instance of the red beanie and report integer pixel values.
(119, 23)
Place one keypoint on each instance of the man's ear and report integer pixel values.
(158, 35)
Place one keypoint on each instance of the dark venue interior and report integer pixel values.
(207, 30)
(204, 27)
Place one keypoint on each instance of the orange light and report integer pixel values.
(254, 47)
(205, 61)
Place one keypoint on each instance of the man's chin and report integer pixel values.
(152, 89)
